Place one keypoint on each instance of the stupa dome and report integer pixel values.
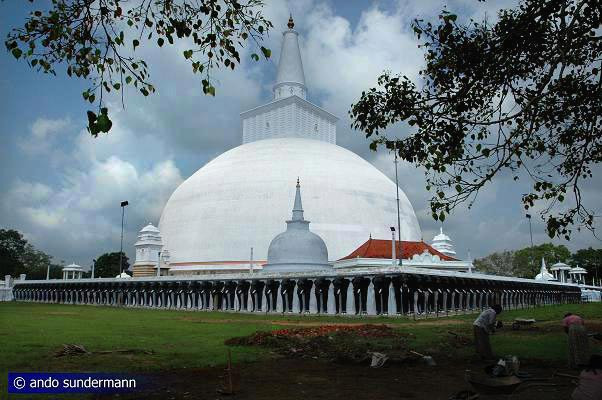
(238, 200)
(297, 248)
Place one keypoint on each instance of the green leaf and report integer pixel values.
(128, 79)
(187, 54)
(103, 123)
(160, 42)
(266, 52)
(211, 90)
(255, 57)
(135, 43)
(17, 52)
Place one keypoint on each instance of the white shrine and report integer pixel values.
(149, 248)
(444, 244)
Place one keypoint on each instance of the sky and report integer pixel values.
(62, 188)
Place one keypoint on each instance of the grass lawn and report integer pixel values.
(30, 333)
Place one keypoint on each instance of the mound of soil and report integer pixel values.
(344, 344)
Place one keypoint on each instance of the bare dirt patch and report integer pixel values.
(312, 379)
(337, 343)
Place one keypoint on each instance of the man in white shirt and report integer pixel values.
(483, 326)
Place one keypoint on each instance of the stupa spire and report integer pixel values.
(298, 208)
(290, 80)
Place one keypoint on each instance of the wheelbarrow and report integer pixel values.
(484, 384)
(488, 385)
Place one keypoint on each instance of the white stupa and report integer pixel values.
(148, 247)
(236, 201)
(544, 274)
(297, 248)
(444, 244)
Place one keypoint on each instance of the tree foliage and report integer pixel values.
(107, 265)
(97, 41)
(590, 259)
(499, 263)
(523, 263)
(17, 256)
(527, 261)
(521, 97)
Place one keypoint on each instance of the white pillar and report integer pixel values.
(331, 305)
(392, 305)
(313, 306)
(444, 302)
(370, 303)
(296, 306)
(279, 304)
(350, 303)
(415, 302)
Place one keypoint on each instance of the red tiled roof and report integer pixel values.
(379, 248)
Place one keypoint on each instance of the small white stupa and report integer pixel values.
(444, 244)
(544, 274)
(148, 246)
(297, 249)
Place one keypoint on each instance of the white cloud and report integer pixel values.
(42, 135)
(78, 215)
(30, 192)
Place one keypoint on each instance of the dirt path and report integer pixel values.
(311, 379)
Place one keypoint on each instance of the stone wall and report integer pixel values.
(384, 292)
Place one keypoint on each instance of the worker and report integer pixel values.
(574, 326)
(590, 381)
(484, 326)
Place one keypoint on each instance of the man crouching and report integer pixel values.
(484, 326)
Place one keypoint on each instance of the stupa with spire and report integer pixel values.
(297, 248)
(289, 114)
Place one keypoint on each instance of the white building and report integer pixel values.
(577, 275)
(444, 244)
(560, 271)
(237, 201)
(73, 271)
(149, 247)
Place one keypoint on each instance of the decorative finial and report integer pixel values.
(298, 185)
(291, 23)
(370, 235)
